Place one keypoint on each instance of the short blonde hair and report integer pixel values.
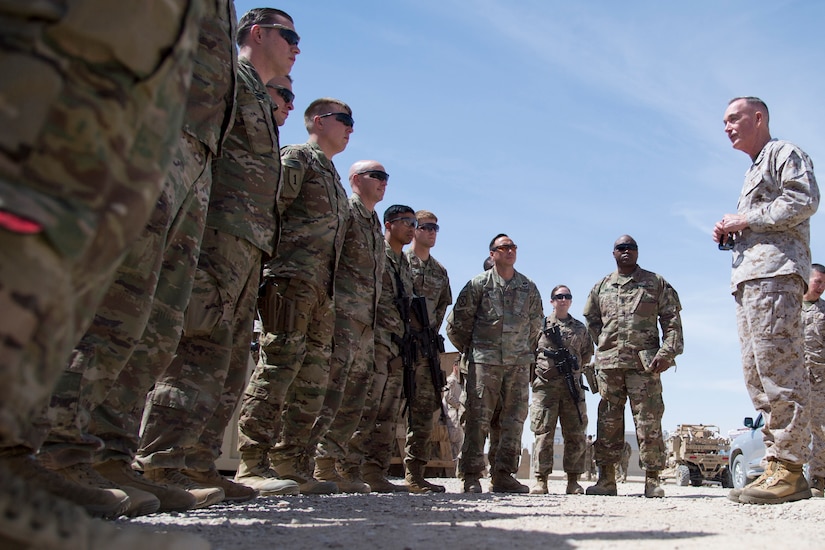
(425, 215)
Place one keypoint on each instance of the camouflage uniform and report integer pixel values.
(771, 265)
(552, 401)
(298, 311)
(373, 441)
(163, 259)
(87, 131)
(452, 401)
(498, 323)
(621, 313)
(192, 403)
(357, 290)
(430, 280)
(813, 318)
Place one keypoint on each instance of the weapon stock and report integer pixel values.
(565, 363)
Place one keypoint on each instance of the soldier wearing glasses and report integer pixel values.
(496, 322)
(297, 308)
(552, 399)
(622, 312)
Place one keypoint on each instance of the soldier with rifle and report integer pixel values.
(558, 393)
(424, 380)
(373, 441)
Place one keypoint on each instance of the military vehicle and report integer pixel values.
(697, 454)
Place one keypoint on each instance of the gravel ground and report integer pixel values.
(688, 517)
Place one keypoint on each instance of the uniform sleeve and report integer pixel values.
(445, 298)
(593, 314)
(670, 322)
(461, 319)
(294, 167)
(586, 351)
(536, 318)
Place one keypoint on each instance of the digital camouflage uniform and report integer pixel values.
(771, 265)
(430, 280)
(622, 312)
(497, 323)
(374, 439)
(813, 318)
(86, 136)
(189, 407)
(156, 276)
(357, 290)
(552, 401)
(298, 312)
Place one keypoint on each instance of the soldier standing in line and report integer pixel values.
(370, 447)
(92, 109)
(552, 401)
(813, 318)
(298, 309)
(431, 287)
(496, 321)
(357, 290)
(209, 369)
(622, 312)
(770, 236)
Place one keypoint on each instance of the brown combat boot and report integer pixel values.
(172, 499)
(734, 494)
(414, 477)
(204, 495)
(652, 487)
(573, 487)
(254, 471)
(504, 482)
(294, 469)
(325, 471)
(786, 483)
(472, 483)
(378, 481)
(540, 488)
(817, 486)
(606, 484)
(232, 492)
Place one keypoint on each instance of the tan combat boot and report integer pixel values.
(254, 471)
(204, 496)
(33, 518)
(472, 483)
(378, 481)
(294, 469)
(232, 492)
(325, 471)
(606, 484)
(573, 487)
(414, 477)
(786, 483)
(540, 488)
(817, 486)
(734, 494)
(172, 499)
(504, 482)
(652, 487)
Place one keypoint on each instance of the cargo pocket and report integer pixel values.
(174, 397)
(205, 307)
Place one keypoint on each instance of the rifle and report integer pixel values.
(431, 345)
(565, 363)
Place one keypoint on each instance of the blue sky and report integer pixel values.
(567, 124)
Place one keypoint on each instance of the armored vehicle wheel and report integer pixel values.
(682, 475)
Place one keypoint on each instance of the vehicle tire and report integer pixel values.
(740, 476)
(682, 475)
(726, 478)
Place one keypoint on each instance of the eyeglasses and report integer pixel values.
(285, 93)
(562, 297)
(429, 227)
(409, 222)
(286, 33)
(626, 246)
(343, 118)
(374, 174)
(506, 247)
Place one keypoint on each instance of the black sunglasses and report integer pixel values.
(285, 93)
(374, 174)
(286, 33)
(562, 296)
(626, 246)
(343, 118)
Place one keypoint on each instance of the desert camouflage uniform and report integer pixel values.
(192, 403)
(357, 289)
(93, 102)
(498, 323)
(373, 441)
(430, 280)
(622, 313)
(771, 265)
(813, 318)
(452, 401)
(552, 401)
(297, 341)
(158, 271)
